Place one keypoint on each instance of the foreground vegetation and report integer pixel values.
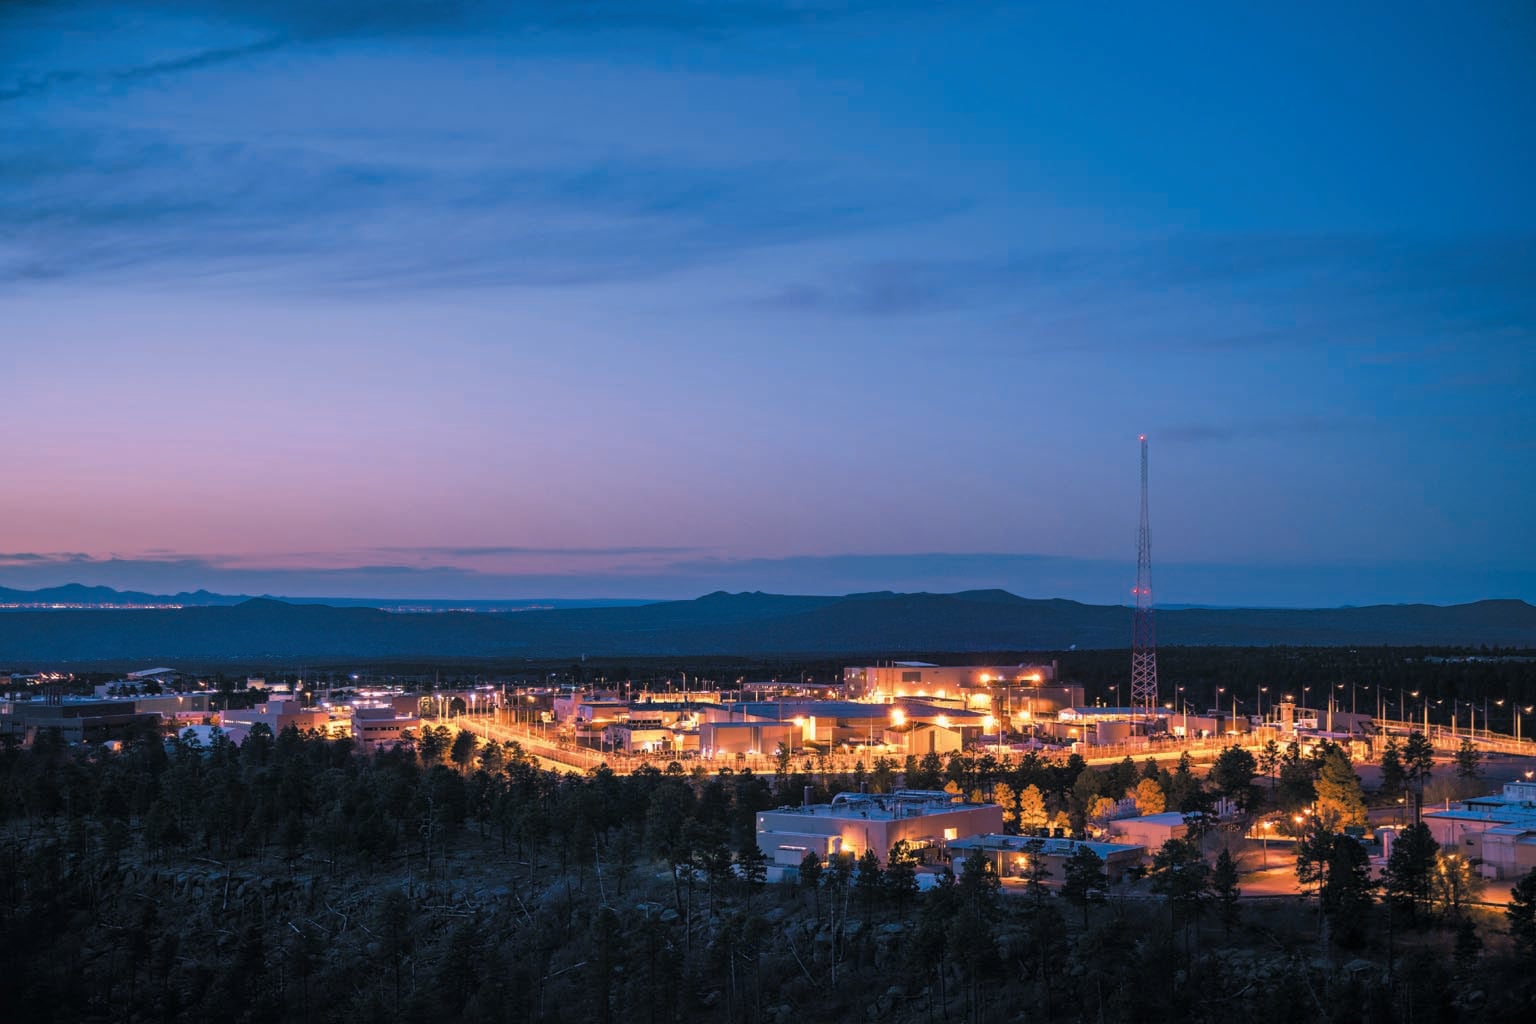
(297, 879)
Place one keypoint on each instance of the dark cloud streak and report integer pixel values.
(28, 88)
(289, 24)
(495, 550)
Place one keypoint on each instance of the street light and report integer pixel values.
(1264, 838)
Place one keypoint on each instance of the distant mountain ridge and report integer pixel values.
(80, 596)
(875, 624)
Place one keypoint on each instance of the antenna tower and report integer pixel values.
(1143, 635)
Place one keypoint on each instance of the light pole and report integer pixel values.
(1264, 838)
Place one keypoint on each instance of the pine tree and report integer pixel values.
(1035, 871)
(868, 880)
(1232, 774)
(1181, 875)
(1084, 879)
(1418, 759)
(1346, 894)
(1469, 761)
(1521, 913)
(1393, 774)
(1410, 866)
(1004, 796)
(754, 867)
(810, 878)
(1453, 884)
(1340, 803)
(1224, 888)
(1269, 763)
(1032, 813)
(1149, 797)
(901, 874)
(463, 749)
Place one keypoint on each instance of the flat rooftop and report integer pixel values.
(788, 709)
(882, 806)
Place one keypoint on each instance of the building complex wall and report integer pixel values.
(854, 823)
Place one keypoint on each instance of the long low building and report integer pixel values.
(1015, 694)
(903, 726)
(853, 823)
(76, 721)
(1010, 855)
(1498, 831)
(719, 739)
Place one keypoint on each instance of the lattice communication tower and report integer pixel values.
(1143, 635)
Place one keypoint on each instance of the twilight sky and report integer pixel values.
(634, 298)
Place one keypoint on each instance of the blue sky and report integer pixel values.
(646, 299)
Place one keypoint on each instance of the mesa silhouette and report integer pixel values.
(887, 624)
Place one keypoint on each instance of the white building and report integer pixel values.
(380, 725)
(1498, 830)
(1150, 830)
(855, 822)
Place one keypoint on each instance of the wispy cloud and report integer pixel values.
(299, 216)
(1269, 289)
(295, 23)
(498, 550)
(1200, 433)
(902, 288)
(30, 558)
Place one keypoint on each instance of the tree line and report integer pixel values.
(296, 877)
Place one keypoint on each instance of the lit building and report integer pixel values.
(1497, 831)
(719, 739)
(88, 721)
(380, 725)
(1010, 855)
(1149, 831)
(1016, 694)
(277, 715)
(897, 728)
(857, 822)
